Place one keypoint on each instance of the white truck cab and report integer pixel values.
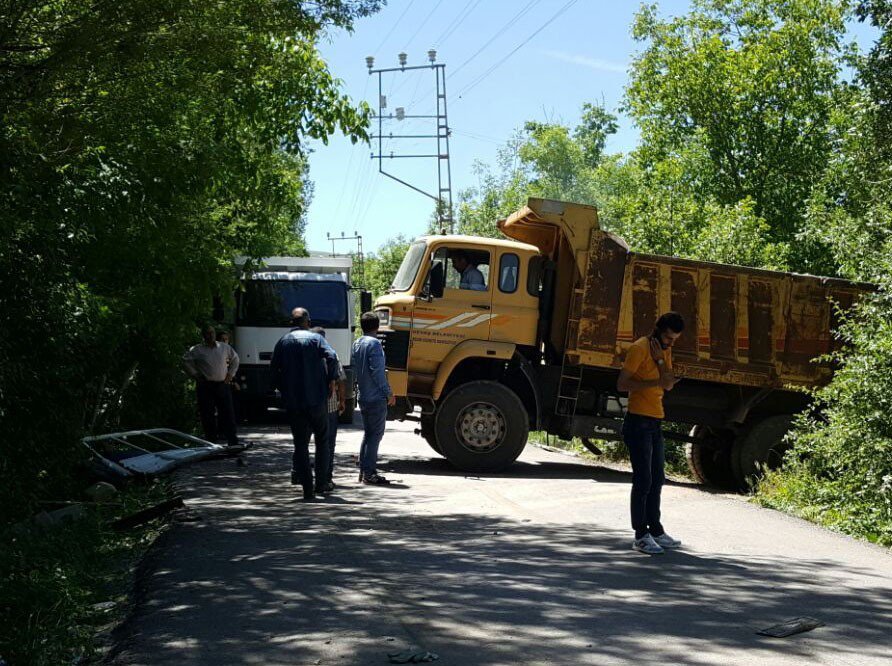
(264, 303)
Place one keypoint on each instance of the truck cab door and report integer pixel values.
(515, 304)
(444, 317)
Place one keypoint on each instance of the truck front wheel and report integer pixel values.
(428, 431)
(481, 427)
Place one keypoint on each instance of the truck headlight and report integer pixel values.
(383, 317)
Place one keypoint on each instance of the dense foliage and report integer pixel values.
(143, 144)
(381, 266)
(841, 473)
(754, 150)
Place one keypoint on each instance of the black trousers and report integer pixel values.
(644, 437)
(215, 404)
(306, 421)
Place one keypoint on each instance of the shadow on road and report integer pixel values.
(266, 579)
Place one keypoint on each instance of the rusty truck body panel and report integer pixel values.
(745, 326)
(539, 343)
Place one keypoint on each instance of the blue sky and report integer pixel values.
(581, 56)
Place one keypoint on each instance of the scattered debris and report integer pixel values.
(187, 515)
(146, 515)
(590, 445)
(412, 656)
(795, 626)
(101, 492)
(149, 452)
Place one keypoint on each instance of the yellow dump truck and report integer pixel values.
(533, 334)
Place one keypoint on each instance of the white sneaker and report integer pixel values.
(646, 544)
(666, 541)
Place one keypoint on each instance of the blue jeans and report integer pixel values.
(644, 437)
(374, 418)
(332, 438)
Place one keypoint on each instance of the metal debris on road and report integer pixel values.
(412, 656)
(795, 626)
(146, 515)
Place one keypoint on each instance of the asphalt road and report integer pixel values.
(533, 566)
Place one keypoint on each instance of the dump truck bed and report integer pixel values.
(745, 326)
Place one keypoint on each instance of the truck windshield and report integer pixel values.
(270, 302)
(405, 276)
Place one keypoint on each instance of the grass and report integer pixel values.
(616, 452)
(51, 579)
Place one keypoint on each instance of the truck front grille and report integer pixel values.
(396, 348)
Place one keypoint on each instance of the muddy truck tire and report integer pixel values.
(761, 447)
(482, 427)
(429, 433)
(709, 457)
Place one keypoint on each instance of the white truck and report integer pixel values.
(263, 315)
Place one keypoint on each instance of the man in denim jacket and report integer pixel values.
(305, 369)
(374, 397)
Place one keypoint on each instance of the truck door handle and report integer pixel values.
(482, 307)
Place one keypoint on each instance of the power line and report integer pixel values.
(519, 15)
(489, 71)
(349, 168)
(478, 137)
(393, 27)
(422, 24)
(456, 22)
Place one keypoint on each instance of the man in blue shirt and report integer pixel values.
(304, 369)
(471, 277)
(374, 397)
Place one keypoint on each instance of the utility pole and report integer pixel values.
(443, 197)
(358, 256)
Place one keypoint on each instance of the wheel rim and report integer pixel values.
(480, 427)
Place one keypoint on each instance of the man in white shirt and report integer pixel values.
(471, 277)
(213, 365)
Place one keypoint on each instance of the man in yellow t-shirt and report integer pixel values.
(646, 374)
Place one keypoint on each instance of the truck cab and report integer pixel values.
(432, 320)
(263, 315)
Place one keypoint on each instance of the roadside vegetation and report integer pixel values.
(766, 141)
(64, 583)
(143, 145)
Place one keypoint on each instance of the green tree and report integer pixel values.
(840, 470)
(143, 145)
(381, 266)
(751, 85)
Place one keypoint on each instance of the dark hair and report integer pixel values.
(671, 321)
(460, 254)
(319, 330)
(369, 322)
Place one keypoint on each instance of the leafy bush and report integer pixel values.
(142, 147)
(840, 472)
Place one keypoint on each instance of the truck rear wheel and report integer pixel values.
(481, 427)
(709, 457)
(761, 447)
(428, 431)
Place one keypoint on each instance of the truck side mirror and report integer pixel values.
(365, 301)
(437, 280)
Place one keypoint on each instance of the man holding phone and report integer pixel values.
(646, 375)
